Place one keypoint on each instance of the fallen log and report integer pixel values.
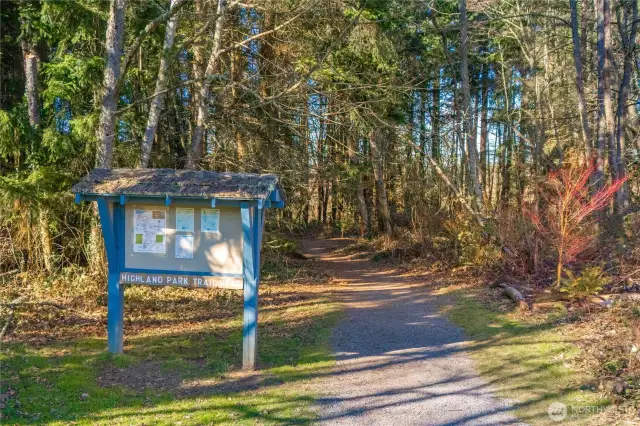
(27, 303)
(20, 301)
(608, 300)
(515, 295)
(12, 312)
(9, 273)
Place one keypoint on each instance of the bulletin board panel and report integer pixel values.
(213, 252)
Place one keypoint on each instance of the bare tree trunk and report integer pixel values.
(266, 72)
(45, 239)
(582, 104)
(632, 118)
(31, 59)
(362, 202)
(602, 134)
(607, 98)
(628, 42)
(472, 154)
(203, 96)
(197, 67)
(113, 46)
(325, 202)
(161, 86)
(508, 160)
(422, 116)
(435, 118)
(383, 204)
(585, 17)
(459, 196)
(484, 128)
(237, 66)
(95, 250)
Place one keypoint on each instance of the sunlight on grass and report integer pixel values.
(174, 376)
(528, 361)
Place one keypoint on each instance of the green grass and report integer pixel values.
(60, 382)
(529, 360)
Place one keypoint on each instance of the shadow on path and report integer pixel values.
(399, 360)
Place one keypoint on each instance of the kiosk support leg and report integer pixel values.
(250, 328)
(115, 291)
(115, 314)
(250, 324)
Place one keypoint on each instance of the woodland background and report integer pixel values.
(471, 132)
(488, 141)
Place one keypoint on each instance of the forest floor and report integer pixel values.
(182, 356)
(343, 340)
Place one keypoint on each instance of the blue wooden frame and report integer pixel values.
(112, 219)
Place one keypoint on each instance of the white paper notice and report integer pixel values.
(184, 219)
(149, 231)
(184, 246)
(210, 220)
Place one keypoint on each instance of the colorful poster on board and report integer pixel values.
(184, 219)
(184, 246)
(210, 220)
(149, 231)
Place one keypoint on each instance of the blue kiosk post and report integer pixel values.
(197, 229)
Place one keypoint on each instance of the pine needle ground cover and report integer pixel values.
(183, 350)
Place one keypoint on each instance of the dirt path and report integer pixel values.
(400, 361)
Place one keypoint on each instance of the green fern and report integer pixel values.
(591, 281)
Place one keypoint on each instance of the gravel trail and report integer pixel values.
(399, 360)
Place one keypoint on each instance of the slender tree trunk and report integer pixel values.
(628, 41)
(602, 129)
(607, 99)
(422, 116)
(195, 152)
(107, 125)
(31, 59)
(582, 104)
(454, 189)
(45, 239)
(161, 86)
(472, 151)
(325, 202)
(237, 67)
(435, 118)
(632, 117)
(484, 128)
(585, 17)
(495, 168)
(113, 46)
(508, 160)
(266, 71)
(383, 204)
(197, 69)
(362, 202)
(320, 198)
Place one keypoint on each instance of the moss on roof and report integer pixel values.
(178, 183)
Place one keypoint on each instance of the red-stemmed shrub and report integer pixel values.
(567, 219)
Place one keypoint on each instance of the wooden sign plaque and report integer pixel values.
(192, 281)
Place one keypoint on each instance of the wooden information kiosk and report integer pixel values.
(185, 228)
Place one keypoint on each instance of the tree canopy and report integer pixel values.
(381, 116)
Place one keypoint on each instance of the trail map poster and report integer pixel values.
(149, 231)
